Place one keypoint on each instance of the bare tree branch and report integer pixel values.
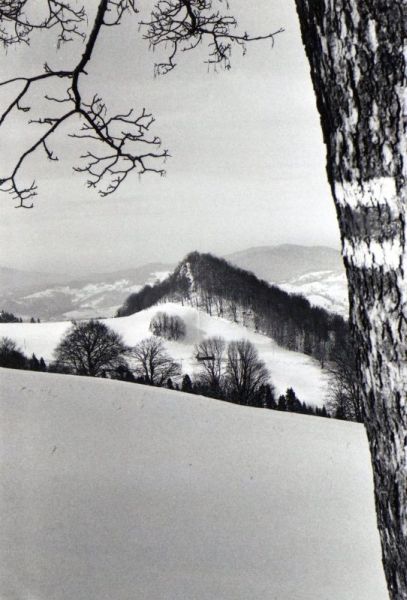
(121, 143)
(118, 135)
(16, 27)
(184, 24)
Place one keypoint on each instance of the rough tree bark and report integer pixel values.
(357, 50)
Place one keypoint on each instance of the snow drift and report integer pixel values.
(114, 491)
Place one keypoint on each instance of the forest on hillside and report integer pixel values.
(215, 286)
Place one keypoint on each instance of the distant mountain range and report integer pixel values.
(55, 298)
(280, 264)
(316, 272)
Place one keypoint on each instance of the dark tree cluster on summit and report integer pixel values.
(214, 285)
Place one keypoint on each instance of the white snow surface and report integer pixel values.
(287, 368)
(116, 491)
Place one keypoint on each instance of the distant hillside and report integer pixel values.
(327, 289)
(14, 281)
(214, 285)
(95, 295)
(278, 264)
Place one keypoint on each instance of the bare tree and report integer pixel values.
(117, 144)
(246, 373)
(344, 396)
(170, 327)
(91, 348)
(153, 363)
(210, 354)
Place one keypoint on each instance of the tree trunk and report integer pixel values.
(357, 50)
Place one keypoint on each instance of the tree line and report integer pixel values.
(8, 317)
(233, 372)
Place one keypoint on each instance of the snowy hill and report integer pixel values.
(214, 285)
(114, 491)
(288, 369)
(327, 289)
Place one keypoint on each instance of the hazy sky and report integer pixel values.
(247, 166)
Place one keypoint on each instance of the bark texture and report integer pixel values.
(357, 50)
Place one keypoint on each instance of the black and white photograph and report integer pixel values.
(203, 300)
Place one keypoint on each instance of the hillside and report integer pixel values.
(327, 289)
(96, 295)
(217, 287)
(118, 491)
(287, 368)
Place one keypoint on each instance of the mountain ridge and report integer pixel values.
(212, 284)
(59, 296)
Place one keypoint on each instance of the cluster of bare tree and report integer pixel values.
(169, 327)
(94, 349)
(233, 372)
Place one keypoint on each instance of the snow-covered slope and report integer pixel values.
(287, 368)
(327, 289)
(114, 491)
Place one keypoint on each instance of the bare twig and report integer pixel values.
(184, 24)
(120, 143)
(122, 137)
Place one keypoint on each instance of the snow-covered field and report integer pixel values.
(287, 368)
(115, 491)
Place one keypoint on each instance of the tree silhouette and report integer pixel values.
(245, 372)
(91, 348)
(210, 354)
(153, 363)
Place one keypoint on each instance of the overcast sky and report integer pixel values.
(247, 166)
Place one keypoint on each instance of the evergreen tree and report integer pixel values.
(187, 384)
(34, 363)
